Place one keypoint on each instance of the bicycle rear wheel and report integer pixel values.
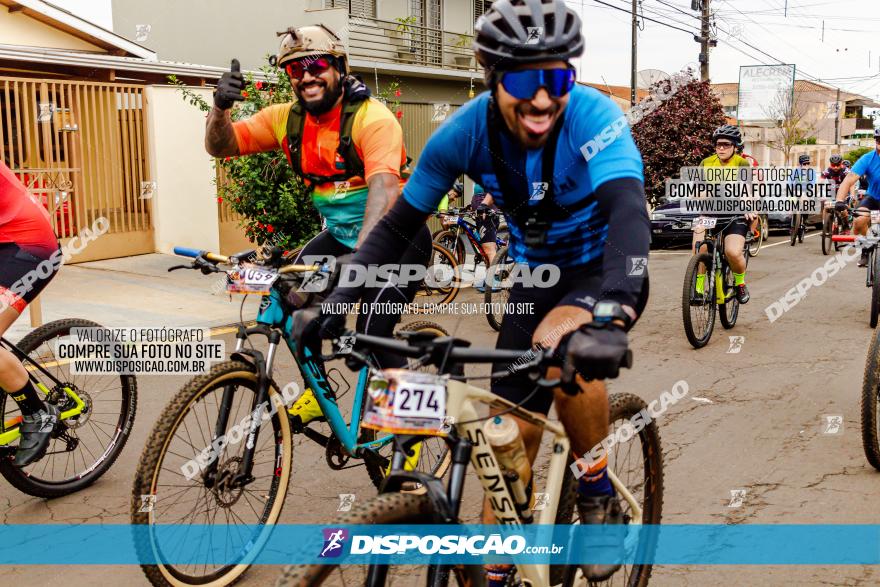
(497, 278)
(449, 240)
(387, 508)
(638, 464)
(170, 490)
(729, 310)
(698, 309)
(82, 448)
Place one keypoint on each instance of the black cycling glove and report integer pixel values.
(229, 87)
(840, 206)
(595, 351)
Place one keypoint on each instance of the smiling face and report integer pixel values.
(318, 91)
(531, 120)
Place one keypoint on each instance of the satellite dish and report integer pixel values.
(648, 77)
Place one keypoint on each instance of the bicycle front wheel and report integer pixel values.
(83, 447)
(871, 404)
(698, 307)
(875, 287)
(387, 508)
(827, 232)
(795, 228)
(170, 489)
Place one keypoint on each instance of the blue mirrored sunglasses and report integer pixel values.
(525, 83)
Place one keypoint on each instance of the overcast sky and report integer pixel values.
(852, 30)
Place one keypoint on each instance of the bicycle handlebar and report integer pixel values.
(217, 258)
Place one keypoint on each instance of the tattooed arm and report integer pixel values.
(219, 136)
(383, 191)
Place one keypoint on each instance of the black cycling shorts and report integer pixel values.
(740, 226)
(577, 286)
(870, 203)
(487, 226)
(23, 275)
(373, 319)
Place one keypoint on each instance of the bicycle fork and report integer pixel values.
(258, 406)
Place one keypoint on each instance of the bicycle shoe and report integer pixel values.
(863, 260)
(602, 509)
(411, 461)
(742, 293)
(36, 431)
(304, 410)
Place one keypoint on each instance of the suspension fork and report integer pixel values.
(261, 403)
(225, 407)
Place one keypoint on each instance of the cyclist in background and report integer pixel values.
(26, 241)
(727, 139)
(868, 168)
(836, 170)
(347, 147)
(746, 156)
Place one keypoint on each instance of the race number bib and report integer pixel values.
(250, 279)
(704, 222)
(406, 402)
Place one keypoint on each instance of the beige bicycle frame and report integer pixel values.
(460, 400)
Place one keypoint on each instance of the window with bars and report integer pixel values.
(364, 8)
(427, 37)
(481, 6)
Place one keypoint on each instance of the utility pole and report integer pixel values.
(703, 39)
(837, 119)
(635, 39)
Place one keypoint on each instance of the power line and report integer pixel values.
(645, 17)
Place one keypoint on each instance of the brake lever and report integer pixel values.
(176, 267)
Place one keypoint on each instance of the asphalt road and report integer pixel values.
(754, 420)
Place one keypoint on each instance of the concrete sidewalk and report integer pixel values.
(137, 291)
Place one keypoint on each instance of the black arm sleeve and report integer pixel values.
(386, 243)
(622, 202)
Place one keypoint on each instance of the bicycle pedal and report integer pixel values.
(296, 425)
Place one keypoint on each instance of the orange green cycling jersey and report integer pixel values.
(377, 137)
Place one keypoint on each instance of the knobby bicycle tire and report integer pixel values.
(870, 404)
(688, 293)
(387, 508)
(623, 407)
(449, 240)
(156, 449)
(794, 229)
(31, 479)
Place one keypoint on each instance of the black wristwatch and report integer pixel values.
(606, 311)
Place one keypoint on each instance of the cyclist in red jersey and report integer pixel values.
(26, 243)
(746, 156)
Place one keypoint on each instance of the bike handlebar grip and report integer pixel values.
(187, 252)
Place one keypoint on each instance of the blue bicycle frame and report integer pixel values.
(272, 315)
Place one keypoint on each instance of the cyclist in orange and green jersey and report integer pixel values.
(345, 145)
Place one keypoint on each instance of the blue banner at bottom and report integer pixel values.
(448, 544)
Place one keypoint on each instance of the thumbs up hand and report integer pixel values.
(229, 87)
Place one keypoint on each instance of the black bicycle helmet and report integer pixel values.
(847, 163)
(836, 160)
(804, 159)
(728, 131)
(514, 32)
(877, 133)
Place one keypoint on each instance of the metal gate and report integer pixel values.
(81, 150)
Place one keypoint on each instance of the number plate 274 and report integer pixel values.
(419, 400)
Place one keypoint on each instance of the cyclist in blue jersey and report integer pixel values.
(868, 166)
(561, 164)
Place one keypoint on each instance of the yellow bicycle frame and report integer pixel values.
(12, 435)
